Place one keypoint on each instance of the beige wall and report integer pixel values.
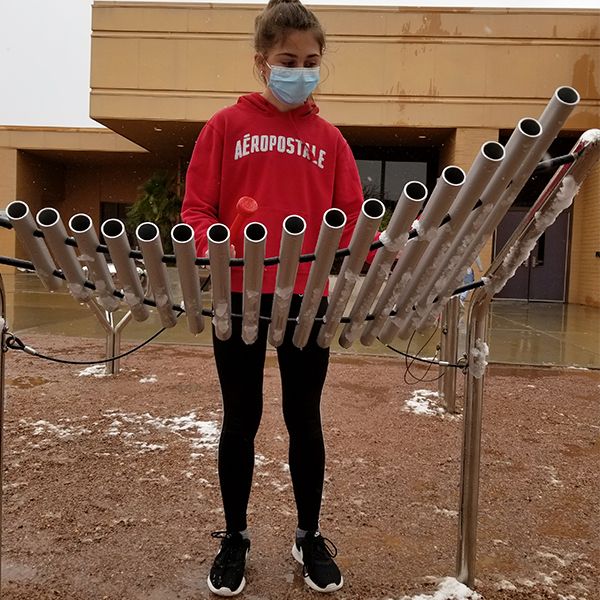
(384, 66)
(584, 281)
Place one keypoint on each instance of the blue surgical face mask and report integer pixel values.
(293, 85)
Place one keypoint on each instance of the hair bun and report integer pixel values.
(273, 3)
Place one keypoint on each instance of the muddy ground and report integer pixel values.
(110, 486)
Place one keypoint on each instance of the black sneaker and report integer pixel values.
(316, 554)
(226, 577)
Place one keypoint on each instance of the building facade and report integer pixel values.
(413, 90)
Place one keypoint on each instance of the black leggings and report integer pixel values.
(303, 372)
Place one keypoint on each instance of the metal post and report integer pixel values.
(3, 330)
(469, 486)
(449, 354)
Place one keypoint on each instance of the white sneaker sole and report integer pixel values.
(332, 587)
(224, 591)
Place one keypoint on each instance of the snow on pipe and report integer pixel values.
(393, 238)
(447, 187)
(55, 234)
(371, 213)
(330, 234)
(24, 225)
(292, 237)
(255, 235)
(517, 149)
(148, 237)
(115, 236)
(184, 248)
(81, 227)
(219, 256)
(553, 118)
(555, 198)
(485, 165)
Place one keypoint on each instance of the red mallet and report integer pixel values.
(245, 208)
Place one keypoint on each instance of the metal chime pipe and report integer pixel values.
(219, 256)
(553, 118)
(255, 235)
(445, 191)
(184, 248)
(82, 228)
(371, 213)
(436, 256)
(394, 239)
(294, 228)
(55, 234)
(115, 236)
(517, 149)
(328, 241)
(24, 225)
(148, 237)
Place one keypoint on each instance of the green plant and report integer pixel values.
(159, 203)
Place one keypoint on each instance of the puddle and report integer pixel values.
(26, 382)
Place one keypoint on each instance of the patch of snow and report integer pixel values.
(424, 402)
(149, 379)
(93, 371)
(448, 589)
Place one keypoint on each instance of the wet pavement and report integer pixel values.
(520, 332)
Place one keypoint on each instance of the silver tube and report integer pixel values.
(24, 225)
(556, 197)
(81, 227)
(371, 213)
(445, 191)
(393, 238)
(184, 247)
(115, 236)
(148, 237)
(437, 254)
(553, 117)
(517, 149)
(330, 234)
(471, 449)
(292, 237)
(449, 354)
(255, 235)
(219, 256)
(55, 234)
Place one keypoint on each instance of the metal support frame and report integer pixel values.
(449, 354)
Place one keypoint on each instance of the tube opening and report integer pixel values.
(453, 175)
(217, 233)
(568, 95)
(47, 217)
(493, 150)
(335, 218)
(373, 208)
(255, 232)
(17, 209)
(294, 225)
(147, 232)
(112, 228)
(80, 223)
(415, 190)
(530, 127)
(182, 233)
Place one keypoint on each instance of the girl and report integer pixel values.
(274, 147)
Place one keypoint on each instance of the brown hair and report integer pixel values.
(280, 17)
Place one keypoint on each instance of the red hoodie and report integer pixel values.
(291, 162)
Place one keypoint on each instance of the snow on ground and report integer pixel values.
(448, 589)
(425, 402)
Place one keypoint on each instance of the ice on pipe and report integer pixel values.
(478, 358)
(284, 293)
(424, 234)
(391, 244)
(520, 251)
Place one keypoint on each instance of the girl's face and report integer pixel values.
(297, 49)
